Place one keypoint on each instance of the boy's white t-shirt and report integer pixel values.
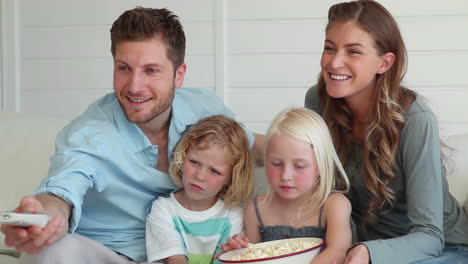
(171, 230)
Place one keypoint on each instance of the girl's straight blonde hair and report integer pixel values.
(222, 130)
(306, 125)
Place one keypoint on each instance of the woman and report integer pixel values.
(388, 140)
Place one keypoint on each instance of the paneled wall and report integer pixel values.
(258, 55)
(65, 50)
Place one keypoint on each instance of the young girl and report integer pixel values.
(388, 140)
(301, 166)
(214, 166)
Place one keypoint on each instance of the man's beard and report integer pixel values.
(154, 112)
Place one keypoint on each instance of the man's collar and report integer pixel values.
(182, 112)
(182, 117)
(134, 137)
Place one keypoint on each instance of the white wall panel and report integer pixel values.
(94, 41)
(452, 128)
(275, 70)
(65, 42)
(67, 74)
(439, 69)
(92, 12)
(66, 12)
(64, 104)
(450, 105)
(435, 33)
(268, 52)
(275, 37)
(252, 105)
(276, 9)
(200, 72)
(280, 9)
(425, 7)
(200, 38)
(9, 57)
(187, 10)
(257, 127)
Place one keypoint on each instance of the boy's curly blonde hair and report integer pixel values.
(222, 130)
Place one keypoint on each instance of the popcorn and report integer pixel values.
(273, 250)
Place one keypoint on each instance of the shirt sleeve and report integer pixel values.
(237, 221)
(311, 100)
(162, 239)
(236, 226)
(228, 112)
(73, 171)
(193, 104)
(421, 167)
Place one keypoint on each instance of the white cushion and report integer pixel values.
(261, 183)
(27, 143)
(457, 167)
(7, 259)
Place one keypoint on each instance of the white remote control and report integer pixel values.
(23, 219)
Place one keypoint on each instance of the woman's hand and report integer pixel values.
(358, 255)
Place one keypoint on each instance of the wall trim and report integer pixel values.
(10, 86)
(219, 52)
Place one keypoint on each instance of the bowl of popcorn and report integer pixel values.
(284, 251)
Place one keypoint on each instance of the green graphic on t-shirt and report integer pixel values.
(200, 258)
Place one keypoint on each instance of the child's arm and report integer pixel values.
(251, 224)
(162, 238)
(177, 259)
(251, 231)
(236, 216)
(337, 212)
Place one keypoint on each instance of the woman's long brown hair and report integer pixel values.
(389, 102)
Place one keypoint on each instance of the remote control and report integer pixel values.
(23, 219)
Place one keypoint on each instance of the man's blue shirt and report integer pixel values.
(105, 167)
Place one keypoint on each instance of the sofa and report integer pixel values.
(28, 142)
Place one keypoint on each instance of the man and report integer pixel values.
(112, 161)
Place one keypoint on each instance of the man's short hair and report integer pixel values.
(146, 23)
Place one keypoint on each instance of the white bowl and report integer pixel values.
(299, 257)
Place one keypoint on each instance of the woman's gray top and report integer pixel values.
(424, 216)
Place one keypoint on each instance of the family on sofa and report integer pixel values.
(147, 172)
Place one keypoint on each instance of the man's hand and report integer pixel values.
(34, 239)
(358, 255)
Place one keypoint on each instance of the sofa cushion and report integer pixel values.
(261, 183)
(457, 167)
(465, 207)
(27, 143)
(7, 259)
